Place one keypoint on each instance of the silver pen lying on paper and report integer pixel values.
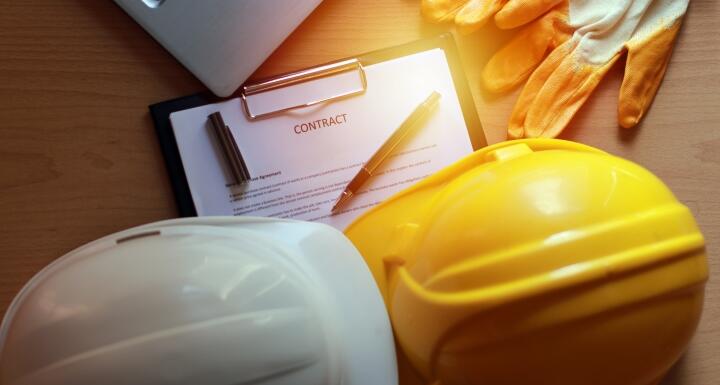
(229, 147)
(368, 169)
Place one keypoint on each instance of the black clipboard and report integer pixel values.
(160, 112)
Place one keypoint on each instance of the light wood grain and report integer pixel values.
(79, 158)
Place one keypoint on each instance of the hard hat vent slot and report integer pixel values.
(136, 236)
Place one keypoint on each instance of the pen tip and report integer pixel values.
(341, 199)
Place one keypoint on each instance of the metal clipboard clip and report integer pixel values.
(303, 76)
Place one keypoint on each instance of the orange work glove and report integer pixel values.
(473, 14)
(544, 27)
(646, 29)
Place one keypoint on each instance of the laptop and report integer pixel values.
(220, 41)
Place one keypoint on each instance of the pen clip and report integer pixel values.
(303, 76)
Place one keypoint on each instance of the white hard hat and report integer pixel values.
(202, 301)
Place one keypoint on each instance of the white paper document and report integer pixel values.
(301, 160)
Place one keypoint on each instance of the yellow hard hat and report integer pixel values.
(537, 261)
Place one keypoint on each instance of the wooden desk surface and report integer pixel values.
(79, 158)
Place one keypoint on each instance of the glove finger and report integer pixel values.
(438, 11)
(646, 64)
(513, 63)
(520, 12)
(516, 125)
(476, 13)
(565, 91)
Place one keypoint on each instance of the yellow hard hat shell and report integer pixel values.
(537, 261)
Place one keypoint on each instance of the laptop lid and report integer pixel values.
(220, 41)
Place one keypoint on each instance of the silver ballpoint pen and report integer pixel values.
(367, 170)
